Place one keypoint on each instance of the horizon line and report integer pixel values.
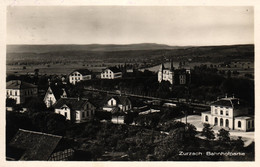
(141, 43)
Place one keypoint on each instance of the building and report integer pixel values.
(229, 113)
(20, 91)
(120, 103)
(53, 94)
(179, 76)
(111, 73)
(30, 145)
(75, 109)
(80, 75)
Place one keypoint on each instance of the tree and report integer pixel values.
(35, 104)
(10, 102)
(223, 135)
(208, 132)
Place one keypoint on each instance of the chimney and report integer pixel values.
(78, 98)
(233, 95)
(226, 95)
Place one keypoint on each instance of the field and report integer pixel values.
(60, 59)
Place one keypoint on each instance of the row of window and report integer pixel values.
(222, 112)
(76, 78)
(107, 76)
(10, 92)
(75, 74)
(227, 122)
(15, 92)
(221, 122)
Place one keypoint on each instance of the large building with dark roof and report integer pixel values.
(111, 73)
(75, 109)
(230, 113)
(20, 91)
(30, 145)
(80, 75)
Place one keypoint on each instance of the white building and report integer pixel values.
(53, 94)
(20, 91)
(228, 113)
(79, 75)
(120, 102)
(111, 73)
(75, 109)
(174, 76)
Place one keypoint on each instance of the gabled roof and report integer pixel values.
(83, 71)
(72, 103)
(36, 145)
(57, 91)
(18, 84)
(120, 99)
(114, 69)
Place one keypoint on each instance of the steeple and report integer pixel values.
(172, 68)
(162, 67)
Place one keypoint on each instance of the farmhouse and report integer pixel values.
(174, 76)
(229, 113)
(120, 103)
(75, 109)
(111, 73)
(20, 91)
(53, 94)
(30, 145)
(79, 75)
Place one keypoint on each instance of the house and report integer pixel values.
(20, 91)
(80, 75)
(120, 103)
(179, 76)
(229, 113)
(111, 73)
(30, 145)
(53, 94)
(75, 109)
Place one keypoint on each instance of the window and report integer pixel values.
(216, 121)
(252, 123)
(87, 114)
(248, 124)
(112, 102)
(15, 93)
(227, 123)
(10, 92)
(239, 124)
(221, 112)
(206, 118)
(216, 111)
(83, 114)
(227, 113)
(65, 114)
(221, 122)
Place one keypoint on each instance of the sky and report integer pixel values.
(170, 25)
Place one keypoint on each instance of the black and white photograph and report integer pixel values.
(130, 83)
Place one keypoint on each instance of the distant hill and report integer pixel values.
(90, 47)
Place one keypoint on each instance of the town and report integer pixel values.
(126, 113)
(136, 82)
